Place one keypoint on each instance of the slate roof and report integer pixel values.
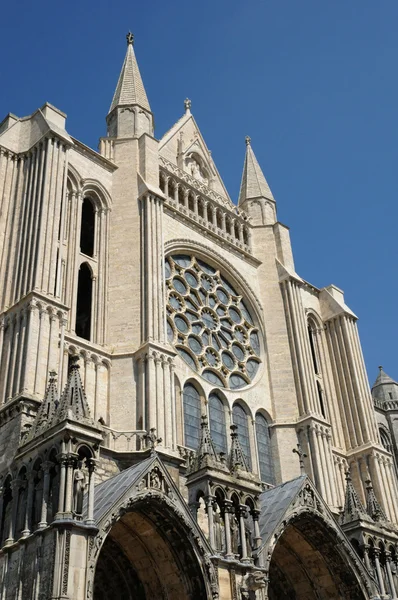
(130, 88)
(107, 493)
(254, 184)
(274, 504)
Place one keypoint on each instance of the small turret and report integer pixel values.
(255, 196)
(130, 114)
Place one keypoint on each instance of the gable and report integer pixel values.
(183, 146)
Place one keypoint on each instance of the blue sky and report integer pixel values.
(312, 82)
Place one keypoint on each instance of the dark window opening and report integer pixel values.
(83, 305)
(313, 353)
(390, 395)
(87, 228)
(320, 396)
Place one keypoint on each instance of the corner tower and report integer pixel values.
(129, 114)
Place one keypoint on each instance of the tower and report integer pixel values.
(144, 316)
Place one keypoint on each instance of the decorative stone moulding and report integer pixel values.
(210, 323)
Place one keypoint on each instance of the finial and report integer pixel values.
(187, 104)
(380, 368)
(130, 39)
(301, 456)
(348, 475)
(248, 140)
(74, 363)
(53, 376)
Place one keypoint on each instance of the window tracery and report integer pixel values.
(210, 324)
(264, 449)
(239, 418)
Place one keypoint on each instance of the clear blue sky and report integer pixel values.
(314, 83)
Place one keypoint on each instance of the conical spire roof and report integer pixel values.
(236, 457)
(73, 402)
(130, 88)
(353, 507)
(383, 378)
(373, 507)
(47, 409)
(254, 184)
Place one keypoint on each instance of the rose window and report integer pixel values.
(210, 324)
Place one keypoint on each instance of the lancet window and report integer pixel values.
(314, 337)
(264, 449)
(87, 228)
(192, 415)
(217, 423)
(84, 302)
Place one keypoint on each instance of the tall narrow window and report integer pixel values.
(320, 397)
(239, 418)
(87, 229)
(385, 440)
(217, 423)
(311, 334)
(84, 301)
(264, 449)
(192, 414)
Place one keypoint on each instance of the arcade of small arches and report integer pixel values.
(381, 559)
(253, 434)
(51, 487)
(230, 522)
(209, 213)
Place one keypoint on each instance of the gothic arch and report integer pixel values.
(164, 540)
(309, 558)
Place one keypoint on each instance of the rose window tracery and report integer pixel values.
(209, 323)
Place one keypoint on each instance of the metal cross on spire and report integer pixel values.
(130, 39)
(302, 455)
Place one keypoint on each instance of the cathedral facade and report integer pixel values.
(182, 416)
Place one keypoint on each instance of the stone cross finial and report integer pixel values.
(248, 140)
(130, 39)
(187, 104)
(301, 456)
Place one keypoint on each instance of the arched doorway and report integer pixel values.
(148, 555)
(310, 562)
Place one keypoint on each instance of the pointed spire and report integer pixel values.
(47, 408)
(206, 455)
(130, 88)
(373, 507)
(236, 457)
(254, 184)
(383, 378)
(353, 507)
(73, 402)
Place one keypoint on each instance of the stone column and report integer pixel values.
(29, 504)
(390, 577)
(62, 459)
(71, 460)
(1, 508)
(257, 535)
(15, 485)
(242, 532)
(91, 483)
(209, 508)
(379, 573)
(228, 508)
(368, 564)
(46, 466)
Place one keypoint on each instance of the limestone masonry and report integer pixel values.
(182, 416)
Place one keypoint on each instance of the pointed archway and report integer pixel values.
(306, 553)
(152, 558)
(148, 539)
(309, 562)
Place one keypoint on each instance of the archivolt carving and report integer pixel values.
(151, 493)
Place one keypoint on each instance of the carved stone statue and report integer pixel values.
(155, 481)
(38, 497)
(248, 535)
(234, 526)
(78, 490)
(219, 530)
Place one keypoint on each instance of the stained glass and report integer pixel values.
(216, 313)
(264, 449)
(217, 423)
(239, 418)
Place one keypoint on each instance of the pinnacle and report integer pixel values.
(254, 184)
(353, 507)
(130, 88)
